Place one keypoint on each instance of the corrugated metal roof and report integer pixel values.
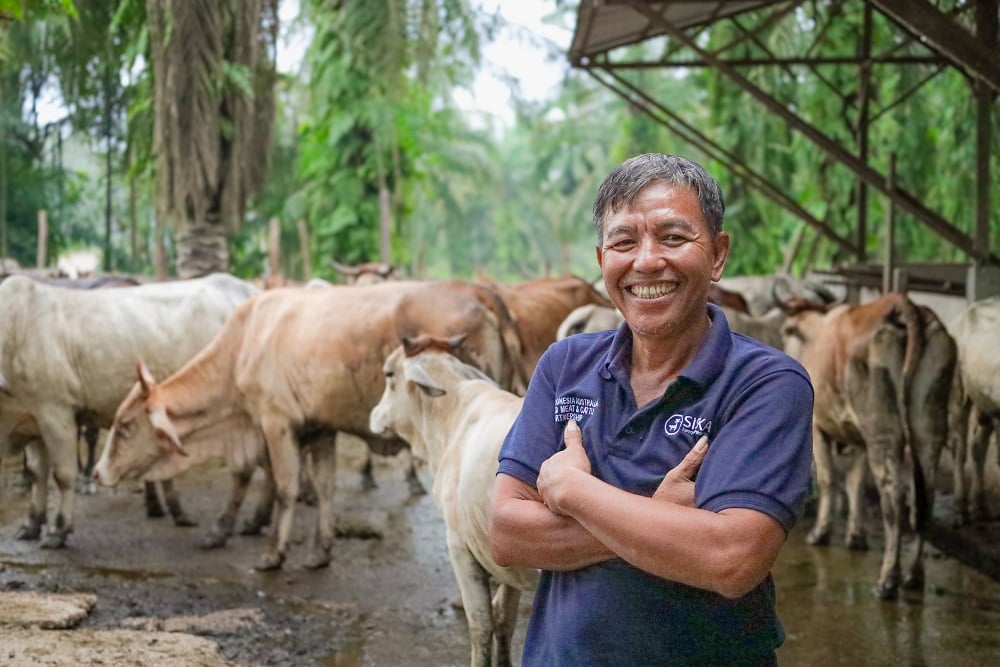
(602, 25)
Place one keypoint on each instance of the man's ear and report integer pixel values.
(600, 256)
(721, 246)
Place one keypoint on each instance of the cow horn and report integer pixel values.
(145, 378)
(344, 268)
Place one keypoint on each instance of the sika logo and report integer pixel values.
(684, 423)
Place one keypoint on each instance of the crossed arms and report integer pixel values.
(574, 519)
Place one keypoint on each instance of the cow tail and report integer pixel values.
(909, 314)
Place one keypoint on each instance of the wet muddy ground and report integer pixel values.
(386, 599)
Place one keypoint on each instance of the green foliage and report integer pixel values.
(372, 116)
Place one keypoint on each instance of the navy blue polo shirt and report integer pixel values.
(755, 405)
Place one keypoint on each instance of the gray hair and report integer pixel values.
(622, 186)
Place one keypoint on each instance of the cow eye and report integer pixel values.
(389, 374)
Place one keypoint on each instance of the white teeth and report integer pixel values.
(651, 291)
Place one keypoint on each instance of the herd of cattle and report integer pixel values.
(215, 368)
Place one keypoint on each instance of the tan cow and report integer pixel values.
(291, 366)
(882, 373)
(456, 418)
(976, 402)
(66, 357)
(539, 306)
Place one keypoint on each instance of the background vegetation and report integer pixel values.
(366, 146)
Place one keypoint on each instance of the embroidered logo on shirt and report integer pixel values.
(679, 423)
(574, 407)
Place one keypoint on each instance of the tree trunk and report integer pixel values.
(202, 248)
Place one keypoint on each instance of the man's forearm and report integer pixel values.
(525, 533)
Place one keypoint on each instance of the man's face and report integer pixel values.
(658, 258)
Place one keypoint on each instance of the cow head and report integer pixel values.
(143, 442)
(420, 370)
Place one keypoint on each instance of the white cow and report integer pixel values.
(67, 357)
(975, 400)
(455, 418)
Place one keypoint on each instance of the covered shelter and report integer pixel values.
(931, 35)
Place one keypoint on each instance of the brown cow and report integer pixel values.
(290, 367)
(882, 375)
(539, 306)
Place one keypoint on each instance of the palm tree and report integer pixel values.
(213, 72)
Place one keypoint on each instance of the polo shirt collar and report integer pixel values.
(707, 365)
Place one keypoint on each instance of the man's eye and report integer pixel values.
(624, 244)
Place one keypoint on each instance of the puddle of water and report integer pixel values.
(831, 617)
(350, 655)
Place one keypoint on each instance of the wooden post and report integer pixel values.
(890, 230)
(273, 248)
(42, 254)
(307, 268)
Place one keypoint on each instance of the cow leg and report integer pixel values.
(264, 508)
(474, 584)
(36, 467)
(882, 428)
(856, 539)
(151, 498)
(823, 459)
(173, 499)
(367, 475)
(222, 529)
(58, 431)
(505, 603)
(85, 483)
(979, 441)
(322, 474)
(958, 437)
(412, 480)
(283, 452)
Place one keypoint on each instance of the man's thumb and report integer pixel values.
(692, 460)
(572, 435)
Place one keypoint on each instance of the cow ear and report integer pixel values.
(165, 429)
(145, 378)
(414, 372)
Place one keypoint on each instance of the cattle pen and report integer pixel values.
(388, 596)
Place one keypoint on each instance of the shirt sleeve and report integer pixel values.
(535, 435)
(761, 458)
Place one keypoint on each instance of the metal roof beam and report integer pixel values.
(945, 36)
(861, 169)
(733, 162)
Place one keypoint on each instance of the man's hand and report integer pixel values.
(678, 485)
(557, 472)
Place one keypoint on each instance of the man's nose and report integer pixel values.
(649, 255)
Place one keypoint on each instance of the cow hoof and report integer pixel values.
(317, 560)
(155, 512)
(269, 562)
(184, 520)
(368, 483)
(818, 538)
(856, 542)
(886, 590)
(254, 526)
(914, 581)
(55, 540)
(28, 531)
(214, 540)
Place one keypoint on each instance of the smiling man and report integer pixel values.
(655, 547)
